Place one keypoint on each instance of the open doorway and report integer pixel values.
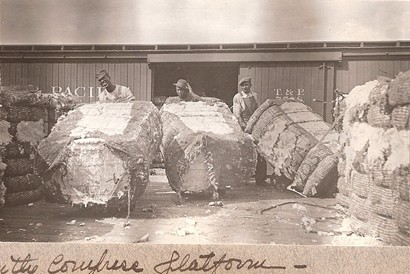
(206, 79)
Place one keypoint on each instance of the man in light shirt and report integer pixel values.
(112, 93)
(245, 103)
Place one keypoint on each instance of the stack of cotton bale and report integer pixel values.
(204, 148)
(3, 115)
(99, 154)
(377, 151)
(298, 144)
(399, 100)
(22, 120)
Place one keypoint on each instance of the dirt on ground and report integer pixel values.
(248, 214)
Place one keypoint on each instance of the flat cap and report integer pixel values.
(244, 80)
(181, 83)
(101, 74)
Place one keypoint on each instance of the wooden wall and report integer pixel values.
(302, 80)
(351, 73)
(80, 75)
(313, 82)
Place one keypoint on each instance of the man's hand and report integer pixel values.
(189, 87)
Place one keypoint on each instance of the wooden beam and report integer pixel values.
(244, 57)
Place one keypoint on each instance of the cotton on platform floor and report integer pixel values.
(158, 219)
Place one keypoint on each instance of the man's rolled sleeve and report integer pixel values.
(128, 96)
(237, 111)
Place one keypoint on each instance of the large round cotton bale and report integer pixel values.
(298, 144)
(100, 154)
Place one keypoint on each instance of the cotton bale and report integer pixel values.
(298, 144)
(100, 154)
(401, 117)
(204, 147)
(399, 90)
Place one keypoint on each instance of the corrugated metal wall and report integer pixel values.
(351, 73)
(78, 77)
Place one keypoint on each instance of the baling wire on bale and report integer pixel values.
(376, 129)
(24, 121)
(99, 154)
(299, 145)
(204, 148)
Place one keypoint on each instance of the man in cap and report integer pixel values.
(185, 92)
(244, 105)
(112, 93)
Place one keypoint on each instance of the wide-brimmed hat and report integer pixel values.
(101, 74)
(245, 80)
(181, 83)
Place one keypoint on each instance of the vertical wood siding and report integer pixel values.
(303, 80)
(79, 77)
(351, 73)
(270, 80)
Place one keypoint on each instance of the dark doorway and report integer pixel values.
(211, 80)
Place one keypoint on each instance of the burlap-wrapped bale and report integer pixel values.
(386, 153)
(21, 96)
(353, 141)
(58, 106)
(204, 147)
(399, 90)
(5, 139)
(18, 167)
(3, 114)
(401, 182)
(23, 183)
(402, 219)
(377, 163)
(99, 154)
(401, 117)
(298, 144)
(18, 150)
(23, 197)
(2, 187)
